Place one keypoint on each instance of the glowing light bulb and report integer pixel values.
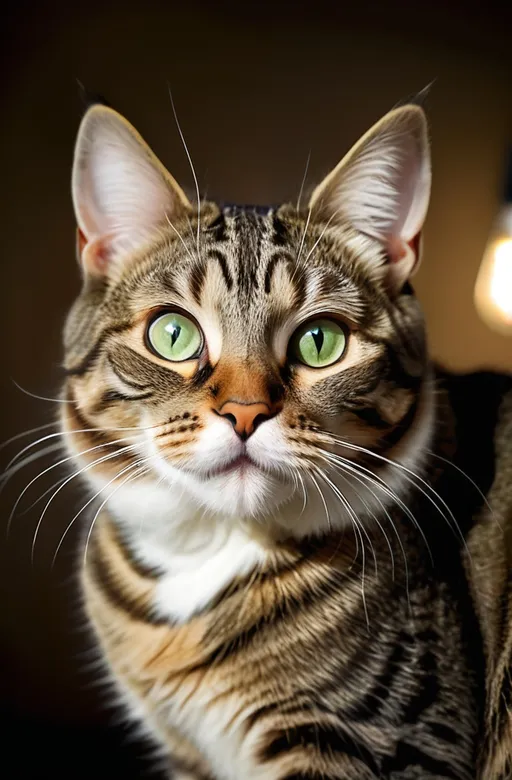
(493, 289)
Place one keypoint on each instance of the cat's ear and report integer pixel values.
(121, 191)
(382, 188)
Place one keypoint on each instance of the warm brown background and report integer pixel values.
(257, 86)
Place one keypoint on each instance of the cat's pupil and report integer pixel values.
(175, 334)
(318, 338)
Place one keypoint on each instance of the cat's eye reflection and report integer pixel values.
(174, 337)
(319, 343)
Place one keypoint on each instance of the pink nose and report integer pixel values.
(245, 418)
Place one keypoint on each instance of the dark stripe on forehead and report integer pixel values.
(215, 254)
(196, 280)
(249, 232)
(297, 276)
(280, 235)
(217, 229)
(338, 289)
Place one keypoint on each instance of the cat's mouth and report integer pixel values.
(241, 464)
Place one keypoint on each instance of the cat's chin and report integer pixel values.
(239, 488)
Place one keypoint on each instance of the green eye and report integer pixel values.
(319, 343)
(175, 337)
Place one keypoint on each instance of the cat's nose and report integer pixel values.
(245, 418)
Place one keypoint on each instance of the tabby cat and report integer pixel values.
(299, 561)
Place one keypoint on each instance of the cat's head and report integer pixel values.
(256, 365)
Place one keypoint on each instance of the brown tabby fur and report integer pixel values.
(383, 652)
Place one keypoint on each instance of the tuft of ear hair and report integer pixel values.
(89, 98)
(382, 189)
(122, 193)
(417, 98)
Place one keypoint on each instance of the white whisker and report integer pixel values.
(350, 510)
(80, 430)
(303, 238)
(411, 477)
(342, 472)
(130, 477)
(374, 479)
(130, 467)
(50, 468)
(42, 496)
(27, 433)
(303, 182)
(304, 493)
(357, 528)
(191, 168)
(318, 239)
(26, 461)
(464, 474)
(180, 237)
(41, 397)
(357, 476)
(327, 515)
(71, 477)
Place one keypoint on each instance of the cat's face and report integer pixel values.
(240, 357)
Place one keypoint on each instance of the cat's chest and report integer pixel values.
(183, 696)
(213, 719)
(180, 663)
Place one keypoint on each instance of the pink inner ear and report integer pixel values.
(415, 245)
(94, 255)
(398, 248)
(100, 256)
(403, 259)
(81, 241)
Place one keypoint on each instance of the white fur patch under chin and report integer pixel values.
(200, 578)
(198, 554)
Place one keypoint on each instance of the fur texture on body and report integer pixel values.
(288, 574)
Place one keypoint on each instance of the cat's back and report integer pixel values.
(482, 405)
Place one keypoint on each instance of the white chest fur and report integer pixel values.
(211, 555)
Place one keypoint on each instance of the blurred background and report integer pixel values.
(258, 87)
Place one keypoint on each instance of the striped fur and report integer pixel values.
(337, 606)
